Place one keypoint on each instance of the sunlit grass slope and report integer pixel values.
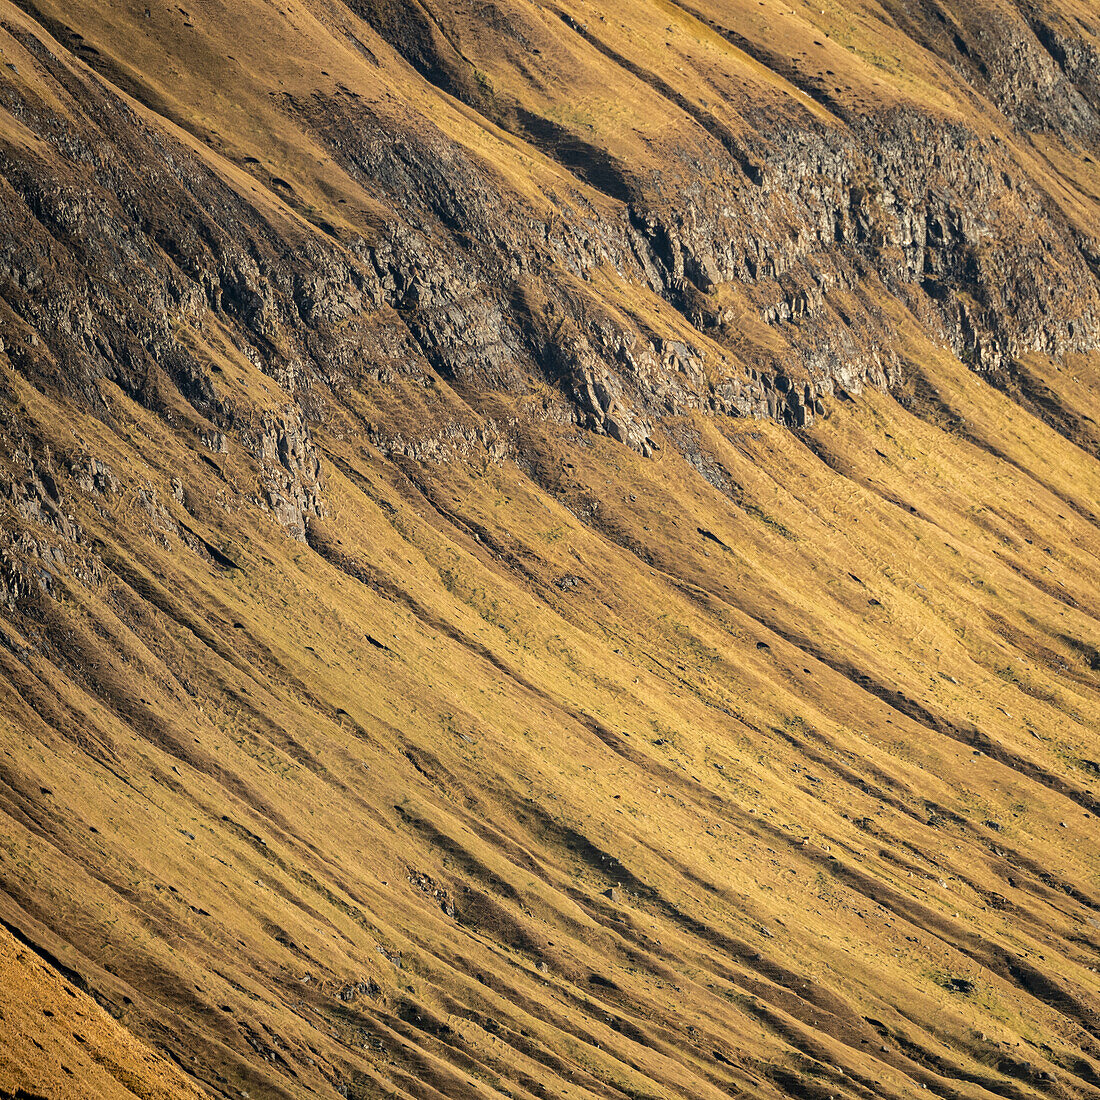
(763, 766)
(823, 722)
(56, 1041)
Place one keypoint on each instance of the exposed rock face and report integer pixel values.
(290, 470)
(1035, 62)
(121, 241)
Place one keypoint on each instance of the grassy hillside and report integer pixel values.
(756, 760)
(58, 1042)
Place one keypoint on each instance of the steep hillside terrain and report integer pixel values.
(550, 549)
(55, 1041)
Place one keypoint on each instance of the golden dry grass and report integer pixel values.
(826, 722)
(837, 752)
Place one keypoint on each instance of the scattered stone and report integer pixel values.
(351, 992)
(961, 985)
(426, 884)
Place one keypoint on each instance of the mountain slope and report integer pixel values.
(552, 550)
(38, 1005)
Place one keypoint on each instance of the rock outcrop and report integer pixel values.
(777, 252)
